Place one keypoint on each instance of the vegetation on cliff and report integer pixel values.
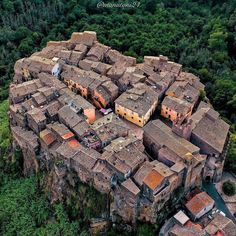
(201, 35)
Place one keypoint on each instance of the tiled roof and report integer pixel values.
(67, 135)
(73, 143)
(153, 179)
(208, 126)
(47, 136)
(131, 186)
(176, 104)
(138, 99)
(199, 202)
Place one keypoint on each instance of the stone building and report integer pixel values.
(124, 156)
(211, 134)
(126, 201)
(110, 127)
(174, 151)
(54, 123)
(199, 205)
(184, 91)
(173, 108)
(137, 104)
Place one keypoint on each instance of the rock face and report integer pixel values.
(55, 100)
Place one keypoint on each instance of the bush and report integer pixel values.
(229, 188)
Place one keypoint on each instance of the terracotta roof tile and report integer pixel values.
(47, 137)
(73, 143)
(67, 135)
(153, 179)
(199, 202)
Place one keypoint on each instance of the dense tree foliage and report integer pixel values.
(229, 188)
(201, 35)
(230, 163)
(198, 34)
(25, 211)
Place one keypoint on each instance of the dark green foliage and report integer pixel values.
(201, 35)
(145, 230)
(229, 188)
(4, 129)
(86, 203)
(24, 211)
(230, 163)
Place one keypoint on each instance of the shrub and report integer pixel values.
(229, 188)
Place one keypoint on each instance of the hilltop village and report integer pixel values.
(136, 131)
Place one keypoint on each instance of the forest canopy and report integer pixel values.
(199, 34)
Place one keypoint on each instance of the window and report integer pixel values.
(132, 117)
(166, 112)
(139, 121)
(118, 110)
(124, 114)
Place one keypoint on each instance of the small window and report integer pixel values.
(166, 112)
(139, 121)
(124, 114)
(132, 117)
(118, 110)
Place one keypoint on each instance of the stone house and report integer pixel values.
(159, 183)
(65, 152)
(174, 108)
(160, 83)
(29, 144)
(47, 138)
(51, 111)
(97, 52)
(87, 38)
(83, 163)
(61, 132)
(211, 134)
(70, 118)
(221, 225)
(36, 120)
(126, 200)
(39, 64)
(129, 78)
(109, 128)
(19, 92)
(192, 79)
(17, 115)
(162, 64)
(171, 149)
(137, 104)
(199, 205)
(102, 179)
(185, 91)
(123, 157)
(78, 104)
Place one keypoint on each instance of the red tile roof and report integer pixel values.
(73, 143)
(68, 135)
(199, 202)
(153, 179)
(47, 137)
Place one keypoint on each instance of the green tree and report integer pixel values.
(229, 188)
